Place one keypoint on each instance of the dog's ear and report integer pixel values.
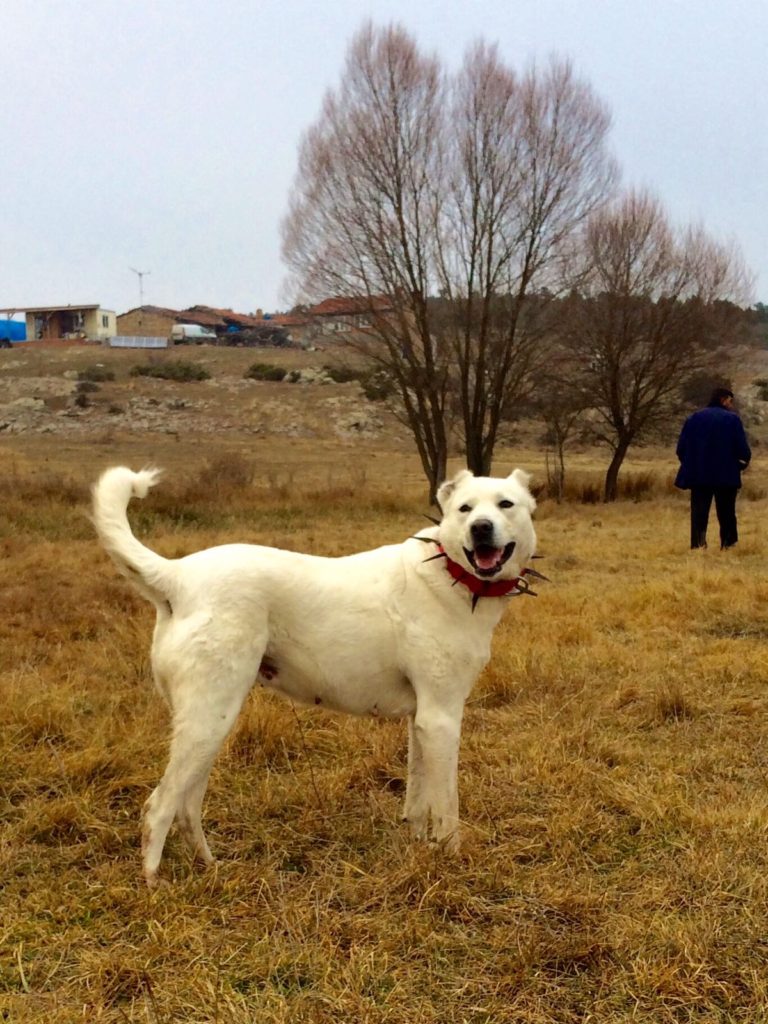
(446, 489)
(523, 479)
(520, 477)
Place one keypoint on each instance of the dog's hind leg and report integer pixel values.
(189, 819)
(204, 711)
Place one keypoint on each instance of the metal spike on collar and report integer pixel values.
(431, 518)
(427, 540)
(440, 554)
(537, 575)
(475, 599)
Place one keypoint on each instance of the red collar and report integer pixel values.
(478, 587)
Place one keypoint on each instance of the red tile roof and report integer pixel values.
(286, 319)
(157, 310)
(351, 305)
(210, 316)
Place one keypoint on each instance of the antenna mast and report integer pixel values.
(141, 274)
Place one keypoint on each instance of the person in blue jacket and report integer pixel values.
(713, 452)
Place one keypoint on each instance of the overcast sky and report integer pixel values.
(162, 135)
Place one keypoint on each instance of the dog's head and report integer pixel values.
(486, 525)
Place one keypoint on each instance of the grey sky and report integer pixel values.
(162, 134)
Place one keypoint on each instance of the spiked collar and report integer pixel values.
(479, 587)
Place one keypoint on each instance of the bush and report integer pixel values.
(86, 386)
(343, 374)
(178, 370)
(377, 385)
(228, 471)
(97, 373)
(265, 371)
(591, 494)
(637, 486)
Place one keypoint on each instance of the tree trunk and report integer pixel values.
(435, 469)
(611, 492)
(560, 470)
(476, 461)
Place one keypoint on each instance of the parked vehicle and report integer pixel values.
(192, 334)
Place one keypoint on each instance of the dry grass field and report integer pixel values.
(613, 771)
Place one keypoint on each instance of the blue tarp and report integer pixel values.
(14, 330)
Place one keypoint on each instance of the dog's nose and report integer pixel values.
(482, 531)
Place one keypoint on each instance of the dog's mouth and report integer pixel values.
(487, 560)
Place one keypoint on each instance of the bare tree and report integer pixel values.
(655, 308)
(454, 198)
(561, 401)
(362, 215)
(528, 165)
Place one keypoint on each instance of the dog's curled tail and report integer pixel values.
(147, 570)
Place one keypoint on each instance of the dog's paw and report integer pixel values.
(418, 824)
(155, 882)
(451, 844)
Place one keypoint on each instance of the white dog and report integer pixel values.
(401, 631)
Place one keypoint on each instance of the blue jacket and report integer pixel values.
(713, 449)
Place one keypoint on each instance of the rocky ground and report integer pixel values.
(35, 402)
(41, 393)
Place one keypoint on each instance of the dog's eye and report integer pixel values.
(465, 508)
(506, 504)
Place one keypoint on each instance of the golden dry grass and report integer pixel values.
(613, 775)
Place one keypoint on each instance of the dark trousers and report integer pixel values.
(725, 507)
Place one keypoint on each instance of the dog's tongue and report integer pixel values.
(487, 558)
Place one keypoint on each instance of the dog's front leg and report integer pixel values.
(414, 808)
(435, 755)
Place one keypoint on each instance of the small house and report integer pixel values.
(61, 323)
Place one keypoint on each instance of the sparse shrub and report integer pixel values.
(227, 471)
(81, 400)
(637, 486)
(590, 494)
(342, 374)
(640, 486)
(293, 377)
(265, 371)
(95, 373)
(762, 388)
(377, 385)
(180, 370)
(84, 387)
